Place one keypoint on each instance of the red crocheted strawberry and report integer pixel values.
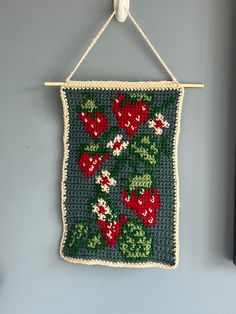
(144, 206)
(89, 163)
(112, 230)
(130, 116)
(94, 123)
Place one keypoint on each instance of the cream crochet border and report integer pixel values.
(109, 85)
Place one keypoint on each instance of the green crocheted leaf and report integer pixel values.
(140, 181)
(139, 97)
(91, 147)
(89, 106)
(76, 236)
(134, 242)
(146, 150)
(96, 241)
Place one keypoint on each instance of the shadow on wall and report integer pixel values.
(229, 162)
(220, 137)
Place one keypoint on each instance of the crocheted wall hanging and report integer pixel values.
(120, 189)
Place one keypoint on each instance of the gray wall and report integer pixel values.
(42, 40)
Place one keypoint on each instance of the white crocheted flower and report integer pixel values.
(117, 145)
(105, 180)
(158, 124)
(101, 209)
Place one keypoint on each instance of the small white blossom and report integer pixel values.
(101, 209)
(117, 145)
(105, 180)
(158, 124)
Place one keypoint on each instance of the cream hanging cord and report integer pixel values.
(96, 38)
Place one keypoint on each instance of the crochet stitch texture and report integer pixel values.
(120, 193)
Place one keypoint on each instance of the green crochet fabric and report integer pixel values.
(120, 181)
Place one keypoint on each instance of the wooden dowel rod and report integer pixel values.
(189, 85)
(54, 83)
(185, 85)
